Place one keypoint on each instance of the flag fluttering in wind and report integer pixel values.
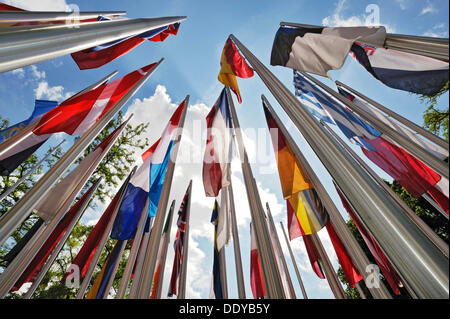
(216, 161)
(102, 54)
(38, 261)
(411, 173)
(306, 214)
(232, 64)
(9, 163)
(320, 49)
(55, 200)
(217, 285)
(314, 257)
(179, 243)
(256, 277)
(147, 181)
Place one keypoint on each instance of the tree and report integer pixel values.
(436, 120)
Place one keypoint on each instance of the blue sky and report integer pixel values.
(191, 67)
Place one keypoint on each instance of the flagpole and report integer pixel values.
(55, 252)
(270, 276)
(434, 204)
(48, 16)
(134, 251)
(353, 248)
(22, 47)
(411, 125)
(289, 287)
(223, 273)
(236, 244)
(10, 221)
(427, 231)
(103, 240)
(16, 215)
(429, 159)
(414, 256)
(427, 46)
(299, 278)
(28, 173)
(114, 271)
(95, 85)
(148, 269)
(164, 252)
(183, 271)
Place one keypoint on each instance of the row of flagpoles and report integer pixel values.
(409, 253)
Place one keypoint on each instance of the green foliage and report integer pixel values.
(436, 120)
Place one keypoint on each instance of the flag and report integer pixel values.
(351, 273)
(302, 200)
(320, 49)
(147, 181)
(216, 161)
(232, 64)
(411, 173)
(34, 267)
(12, 159)
(401, 70)
(179, 245)
(314, 257)
(385, 266)
(217, 291)
(98, 289)
(223, 228)
(256, 277)
(102, 54)
(55, 200)
(161, 257)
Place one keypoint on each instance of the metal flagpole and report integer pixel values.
(271, 223)
(183, 271)
(429, 159)
(223, 273)
(31, 170)
(15, 216)
(407, 211)
(353, 248)
(114, 271)
(269, 272)
(411, 125)
(417, 260)
(299, 278)
(95, 85)
(434, 204)
(61, 243)
(164, 251)
(236, 244)
(148, 269)
(102, 242)
(21, 47)
(135, 250)
(427, 46)
(49, 16)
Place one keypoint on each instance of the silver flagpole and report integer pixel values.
(24, 47)
(102, 242)
(223, 273)
(114, 271)
(407, 211)
(299, 278)
(427, 46)
(148, 269)
(31, 170)
(48, 16)
(411, 125)
(353, 248)
(236, 244)
(16, 215)
(429, 159)
(434, 204)
(164, 251)
(183, 271)
(271, 279)
(95, 85)
(418, 261)
(271, 223)
(134, 251)
(61, 243)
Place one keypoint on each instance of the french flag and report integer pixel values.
(100, 55)
(216, 161)
(75, 115)
(147, 182)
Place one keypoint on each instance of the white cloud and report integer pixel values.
(41, 5)
(50, 92)
(20, 73)
(36, 73)
(437, 31)
(402, 4)
(428, 9)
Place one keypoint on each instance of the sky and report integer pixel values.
(190, 68)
